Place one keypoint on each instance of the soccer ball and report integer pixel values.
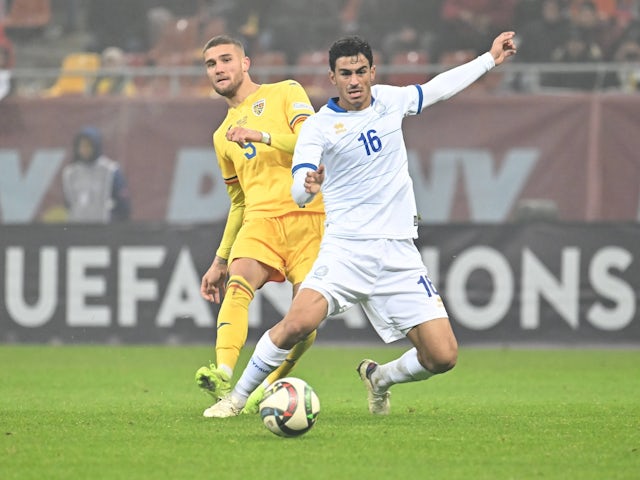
(290, 407)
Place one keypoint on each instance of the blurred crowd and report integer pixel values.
(280, 33)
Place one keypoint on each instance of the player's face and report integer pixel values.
(226, 67)
(353, 77)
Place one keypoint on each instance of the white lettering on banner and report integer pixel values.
(20, 196)
(538, 282)
(81, 285)
(491, 195)
(145, 274)
(621, 313)
(182, 298)
(187, 203)
(493, 262)
(133, 289)
(41, 310)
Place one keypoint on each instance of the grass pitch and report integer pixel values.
(104, 412)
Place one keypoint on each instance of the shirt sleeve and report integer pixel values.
(234, 220)
(298, 108)
(298, 104)
(236, 210)
(306, 157)
(448, 83)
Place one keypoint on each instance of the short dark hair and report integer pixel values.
(223, 40)
(350, 46)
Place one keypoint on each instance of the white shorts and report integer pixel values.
(387, 277)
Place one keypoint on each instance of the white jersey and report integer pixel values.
(367, 190)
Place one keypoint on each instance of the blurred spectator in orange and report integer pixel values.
(113, 79)
(619, 11)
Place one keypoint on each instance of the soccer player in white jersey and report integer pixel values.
(353, 149)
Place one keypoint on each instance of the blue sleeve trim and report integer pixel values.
(420, 99)
(303, 165)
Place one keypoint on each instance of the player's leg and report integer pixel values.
(253, 402)
(246, 276)
(307, 311)
(304, 234)
(407, 303)
(253, 262)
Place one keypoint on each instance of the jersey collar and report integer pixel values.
(333, 104)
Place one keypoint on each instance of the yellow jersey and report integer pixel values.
(264, 172)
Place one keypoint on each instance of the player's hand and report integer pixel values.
(313, 180)
(242, 136)
(213, 282)
(503, 47)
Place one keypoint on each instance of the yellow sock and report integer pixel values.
(233, 322)
(294, 355)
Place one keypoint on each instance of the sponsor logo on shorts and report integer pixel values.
(321, 271)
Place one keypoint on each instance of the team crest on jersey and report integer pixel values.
(339, 127)
(258, 107)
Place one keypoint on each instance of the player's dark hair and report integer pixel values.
(350, 46)
(223, 40)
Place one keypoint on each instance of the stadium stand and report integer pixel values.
(266, 60)
(28, 15)
(314, 75)
(172, 38)
(177, 43)
(407, 60)
(76, 75)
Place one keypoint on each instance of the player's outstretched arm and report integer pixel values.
(503, 47)
(448, 83)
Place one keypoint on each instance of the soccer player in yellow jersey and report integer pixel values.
(267, 237)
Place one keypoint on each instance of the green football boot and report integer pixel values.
(253, 402)
(213, 381)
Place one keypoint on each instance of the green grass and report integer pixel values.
(105, 412)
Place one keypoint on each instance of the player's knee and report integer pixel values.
(440, 361)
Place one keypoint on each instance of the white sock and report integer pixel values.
(405, 369)
(265, 359)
